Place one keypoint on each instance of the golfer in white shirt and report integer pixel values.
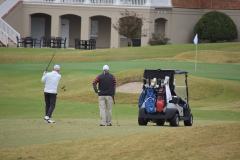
(51, 80)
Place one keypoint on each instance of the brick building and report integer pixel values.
(207, 4)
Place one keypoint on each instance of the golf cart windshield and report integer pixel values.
(177, 80)
(180, 86)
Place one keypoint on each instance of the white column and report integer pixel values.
(150, 29)
(148, 3)
(117, 2)
(55, 26)
(115, 37)
(166, 29)
(87, 2)
(85, 28)
(25, 25)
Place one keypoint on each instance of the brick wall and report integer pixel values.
(187, 3)
(207, 4)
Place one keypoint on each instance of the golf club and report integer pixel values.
(51, 60)
(115, 109)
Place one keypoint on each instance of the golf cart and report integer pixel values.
(164, 98)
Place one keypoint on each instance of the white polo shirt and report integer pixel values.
(51, 79)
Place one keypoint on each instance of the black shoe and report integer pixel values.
(109, 124)
(102, 125)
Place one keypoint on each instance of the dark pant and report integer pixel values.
(50, 100)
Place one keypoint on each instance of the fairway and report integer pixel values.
(213, 91)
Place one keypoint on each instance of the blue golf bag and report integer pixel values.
(150, 101)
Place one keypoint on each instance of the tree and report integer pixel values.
(130, 25)
(216, 26)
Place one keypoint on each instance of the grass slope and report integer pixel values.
(213, 90)
(218, 141)
(228, 51)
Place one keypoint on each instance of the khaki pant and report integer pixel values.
(105, 102)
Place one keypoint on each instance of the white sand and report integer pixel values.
(133, 87)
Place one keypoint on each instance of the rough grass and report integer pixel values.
(204, 88)
(218, 141)
(209, 56)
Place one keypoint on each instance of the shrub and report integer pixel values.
(216, 26)
(158, 39)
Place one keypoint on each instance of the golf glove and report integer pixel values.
(44, 73)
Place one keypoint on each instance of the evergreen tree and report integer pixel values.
(216, 26)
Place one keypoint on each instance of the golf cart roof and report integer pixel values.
(161, 73)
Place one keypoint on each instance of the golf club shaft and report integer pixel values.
(51, 60)
(115, 110)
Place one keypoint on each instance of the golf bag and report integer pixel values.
(150, 101)
(161, 100)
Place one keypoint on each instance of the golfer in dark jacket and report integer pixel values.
(106, 91)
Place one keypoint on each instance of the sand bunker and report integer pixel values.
(133, 87)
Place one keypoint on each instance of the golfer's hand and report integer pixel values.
(45, 73)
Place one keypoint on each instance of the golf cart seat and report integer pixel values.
(175, 99)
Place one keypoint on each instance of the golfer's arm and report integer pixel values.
(114, 89)
(44, 78)
(114, 85)
(95, 88)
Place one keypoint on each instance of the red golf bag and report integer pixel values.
(161, 100)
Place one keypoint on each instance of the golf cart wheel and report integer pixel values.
(142, 122)
(160, 122)
(189, 122)
(174, 121)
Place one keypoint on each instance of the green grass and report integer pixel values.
(213, 90)
(116, 54)
(201, 142)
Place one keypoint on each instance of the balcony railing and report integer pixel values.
(10, 32)
(161, 3)
(6, 30)
(3, 37)
(6, 6)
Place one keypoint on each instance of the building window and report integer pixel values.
(94, 28)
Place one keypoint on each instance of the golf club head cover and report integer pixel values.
(153, 82)
(166, 80)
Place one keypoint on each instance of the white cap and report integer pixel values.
(56, 67)
(105, 67)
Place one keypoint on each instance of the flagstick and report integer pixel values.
(196, 59)
(195, 40)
